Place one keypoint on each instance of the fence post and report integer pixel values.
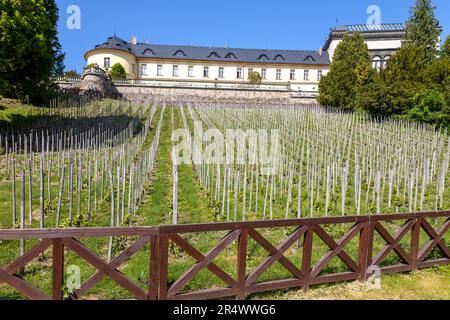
(307, 255)
(58, 269)
(365, 249)
(241, 264)
(163, 266)
(415, 239)
(153, 270)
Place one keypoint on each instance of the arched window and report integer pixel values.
(230, 55)
(385, 60)
(376, 62)
(179, 53)
(214, 55)
(148, 52)
(263, 57)
(278, 57)
(309, 59)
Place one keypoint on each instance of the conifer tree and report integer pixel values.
(422, 28)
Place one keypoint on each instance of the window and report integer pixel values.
(279, 57)
(175, 71)
(239, 73)
(306, 75)
(250, 71)
(107, 63)
(278, 74)
(319, 74)
(376, 62)
(206, 72)
(309, 59)
(263, 57)
(263, 74)
(190, 71)
(292, 75)
(179, 53)
(385, 61)
(143, 69)
(213, 55)
(221, 72)
(159, 70)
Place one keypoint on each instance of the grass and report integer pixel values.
(195, 207)
(430, 284)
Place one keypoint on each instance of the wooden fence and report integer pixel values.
(362, 230)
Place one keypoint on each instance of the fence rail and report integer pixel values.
(362, 231)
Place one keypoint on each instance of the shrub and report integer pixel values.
(118, 72)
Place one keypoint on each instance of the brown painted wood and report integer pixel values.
(393, 242)
(159, 253)
(101, 265)
(273, 257)
(285, 262)
(22, 286)
(29, 256)
(115, 263)
(307, 256)
(198, 256)
(193, 271)
(242, 264)
(58, 269)
(17, 234)
(437, 239)
(363, 250)
(163, 267)
(415, 240)
(336, 249)
(153, 270)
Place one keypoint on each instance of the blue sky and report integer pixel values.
(288, 24)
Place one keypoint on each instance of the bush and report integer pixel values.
(118, 72)
(429, 107)
(254, 77)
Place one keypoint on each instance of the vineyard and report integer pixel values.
(108, 163)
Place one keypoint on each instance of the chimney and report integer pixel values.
(320, 51)
(134, 40)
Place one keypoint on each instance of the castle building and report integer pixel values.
(295, 70)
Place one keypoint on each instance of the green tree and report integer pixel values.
(118, 72)
(30, 53)
(72, 74)
(349, 72)
(393, 89)
(422, 28)
(429, 107)
(445, 50)
(254, 77)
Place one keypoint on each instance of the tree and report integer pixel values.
(393, 88)
(430, 107)
(72, 74)
(30, 53)
(422, 28)
(254, 77)
(118, 72)
(349, 72)
(445, 50)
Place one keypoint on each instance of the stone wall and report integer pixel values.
(141, 93)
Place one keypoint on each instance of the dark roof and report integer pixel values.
(144, 50)
(368, 31)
